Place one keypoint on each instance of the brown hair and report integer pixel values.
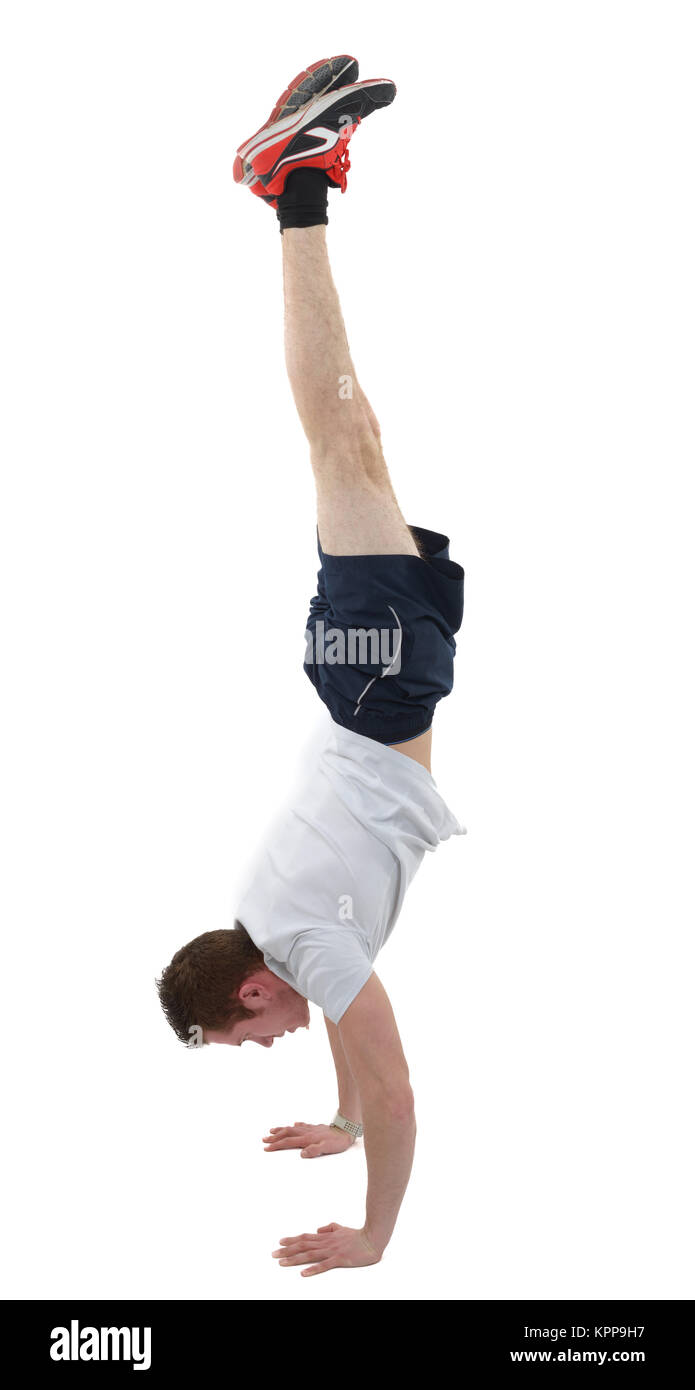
(199, 985)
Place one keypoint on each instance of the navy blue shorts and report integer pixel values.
(380, 637)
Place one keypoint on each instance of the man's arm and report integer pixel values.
(374, 1055)
(316, 1141)
(349, 1103)
(373, 1051)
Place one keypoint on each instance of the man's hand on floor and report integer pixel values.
(332, 1247)
(313, 1140)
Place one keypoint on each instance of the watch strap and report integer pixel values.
(339, 1122)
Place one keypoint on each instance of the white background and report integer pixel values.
(514, 257)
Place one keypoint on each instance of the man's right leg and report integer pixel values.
(357, 509)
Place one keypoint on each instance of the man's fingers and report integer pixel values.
(331, 1263)
(304, 1257)
(280, 1130)
(332, 1226)
(313, 1150)
(292, 1142)
(305, 1239)
(284, 1132)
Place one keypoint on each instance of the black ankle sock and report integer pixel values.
(305, 199)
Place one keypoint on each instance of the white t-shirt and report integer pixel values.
(331, 878)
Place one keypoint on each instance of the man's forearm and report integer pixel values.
(348, 1094)
(389, 1142)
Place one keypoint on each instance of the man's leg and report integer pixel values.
(357, 509)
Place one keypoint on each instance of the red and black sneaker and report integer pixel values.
(314, 136)
(314, 81)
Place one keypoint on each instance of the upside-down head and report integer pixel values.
(218, 989)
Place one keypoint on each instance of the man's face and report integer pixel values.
(276, 1009)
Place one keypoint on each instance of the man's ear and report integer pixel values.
(253, 993)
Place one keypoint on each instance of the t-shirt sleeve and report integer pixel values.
(330, 966)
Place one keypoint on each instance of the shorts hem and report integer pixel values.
(382, 730)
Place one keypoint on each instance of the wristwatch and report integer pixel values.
(339, 1122)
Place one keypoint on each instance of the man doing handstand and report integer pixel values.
(331, 880)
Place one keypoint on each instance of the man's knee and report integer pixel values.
(351, 454)
(371, 418)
